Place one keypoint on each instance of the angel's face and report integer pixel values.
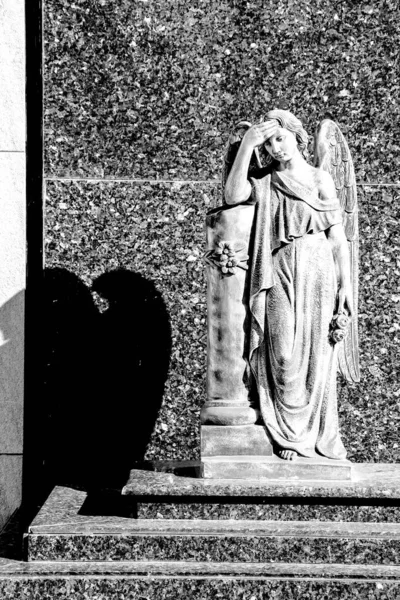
(282, 146)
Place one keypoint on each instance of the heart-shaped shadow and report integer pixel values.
(105, 374)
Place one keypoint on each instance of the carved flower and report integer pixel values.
(220, 248)
(225, 248)
(339, 327)
(232, 261)
(228, 256)
(230, 265)
(338, 335)
(342, 321)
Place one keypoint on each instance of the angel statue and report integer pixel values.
(301, 324)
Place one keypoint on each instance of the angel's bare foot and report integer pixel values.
(288, 454)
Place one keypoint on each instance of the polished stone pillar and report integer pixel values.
(12, 251)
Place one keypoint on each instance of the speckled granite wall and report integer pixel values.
(146, 91)
(151, 236)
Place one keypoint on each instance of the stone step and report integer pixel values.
(218, 541)
(259, 509)
(182, 479)
(374, 495)
(183, 568)
(174, 490)
(195, 580)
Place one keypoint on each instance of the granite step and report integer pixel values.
(195, 580)
(209, 569)
(218, 541)
(225, 500)
(174, 490)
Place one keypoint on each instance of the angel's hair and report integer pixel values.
(288, 121)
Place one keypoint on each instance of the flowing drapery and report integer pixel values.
(292, 300)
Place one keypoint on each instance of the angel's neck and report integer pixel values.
(296, 163)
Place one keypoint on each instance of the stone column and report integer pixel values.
(228, 238)
(12, 251)
(228, 419)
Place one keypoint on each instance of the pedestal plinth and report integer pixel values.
(274, 468)
(242, 440)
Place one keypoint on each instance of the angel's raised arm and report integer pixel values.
(237, 187)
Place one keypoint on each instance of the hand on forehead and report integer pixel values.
(273, 124)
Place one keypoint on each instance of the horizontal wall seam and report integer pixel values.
(10, 454)
(180, 181)
(116, 180)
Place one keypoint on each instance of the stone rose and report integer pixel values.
(342, 321)
(338, 335)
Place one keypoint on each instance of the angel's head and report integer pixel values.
(298, 138)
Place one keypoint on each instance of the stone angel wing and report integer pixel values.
(332, 154)
(235, 139)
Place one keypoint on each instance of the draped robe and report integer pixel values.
(293, 292)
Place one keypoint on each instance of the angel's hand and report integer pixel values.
(345, 300)
(258, 134)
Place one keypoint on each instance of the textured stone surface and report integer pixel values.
(196, 580)
(113, 587)
(12, 251)
(12, 225)
(239, 440)
(216, 548)
(12, 320)
(12, 374)
(263, 510)
(152, 90)
(228, 399)
(224, 541)
(12, 276)
(274, 468)
(368, 481)
(370, 411)
(199, 581)
(106, 512)
(237, 528)
(10, 486)
(157, 231)
(12, 76)
(11, 538)
(174, 569)
(124, 273)
(236, 553)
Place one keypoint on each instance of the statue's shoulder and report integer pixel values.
(320, 176)
(324, 182)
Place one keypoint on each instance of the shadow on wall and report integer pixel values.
(105, 374)
(12, 323)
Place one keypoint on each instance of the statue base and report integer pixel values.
(246, 452)
(275, 468)
(225, 440)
